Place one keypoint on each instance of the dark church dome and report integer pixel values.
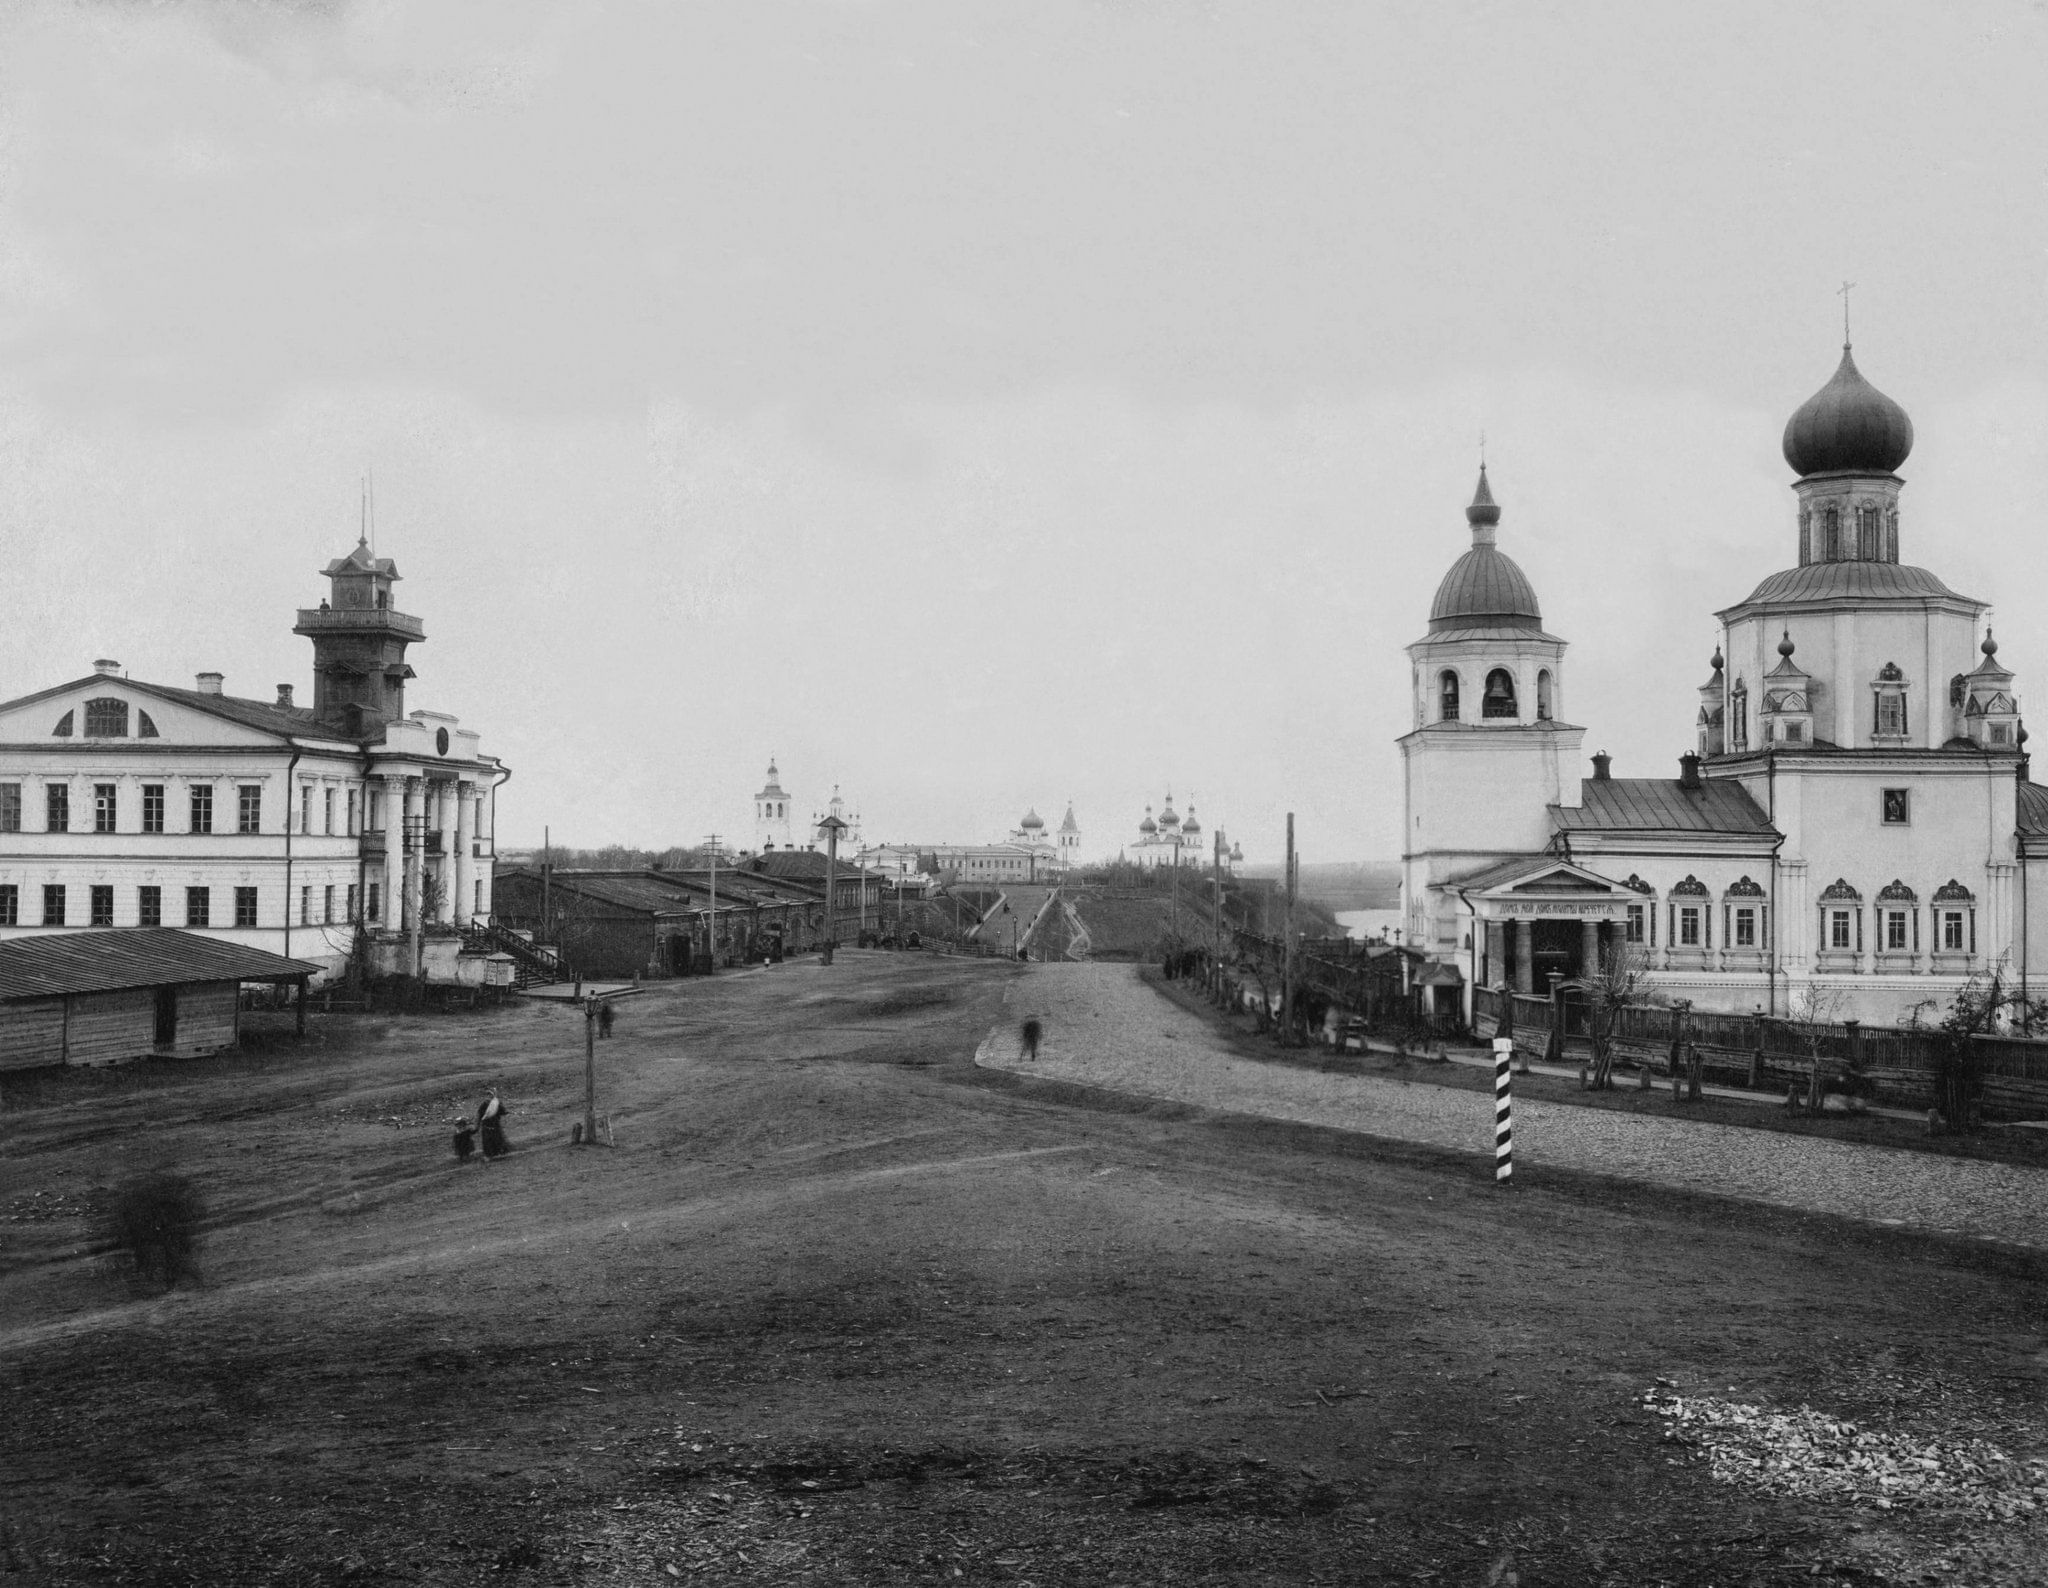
(1848, 426)
(1484, 588)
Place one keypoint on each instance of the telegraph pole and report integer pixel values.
(711, 843)
(590, 1071)
(831, 827)
(1216, 966)
(1287, 962)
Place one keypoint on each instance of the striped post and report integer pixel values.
(1503, 1110)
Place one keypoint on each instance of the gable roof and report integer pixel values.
(262, 715)
(109, 959)
(1535, 872)
(1660, 805)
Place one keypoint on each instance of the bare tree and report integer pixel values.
(1623, 979)
(1816, 1013)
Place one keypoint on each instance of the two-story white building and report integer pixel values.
(1854, 815)
(289, 828)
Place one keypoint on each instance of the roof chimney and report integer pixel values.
(1601, 763)
(106, 667)
(1689, 771)
(284, 696)
(209, 683)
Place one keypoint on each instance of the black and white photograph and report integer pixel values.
(1087, 794)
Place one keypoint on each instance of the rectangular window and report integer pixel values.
(152, 807)
(202, 807)
(149, 906)
(53, 904)
(1795, 733)
(1838, 929)
(351, 813)
(198, 907)
(106, 806)
(327, 904)
(10, 807)
(101, 901)
(1895, 805)
(1635, 923)
(10, 904)
(1891, 715)
(57, 808)
(375, 821)
(306, 905)
(306, 808)
(245, 906)
(327, 799)
(1689, 926)
(1952, 931)
(1895, 930)
(351, 915)
(249, 808)
(376, 910)
(1745, 926)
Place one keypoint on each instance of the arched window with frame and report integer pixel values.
(1447, 696)
(1499, 698)
(1831, 535)
(1738, 717)
(1955, 919)
(106, 718)
(1543, 696)
(1888, 716)
(1868, 530)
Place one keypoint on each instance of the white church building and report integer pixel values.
(1854, 814)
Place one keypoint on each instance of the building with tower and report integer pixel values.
(285, 827)
(1853, 815)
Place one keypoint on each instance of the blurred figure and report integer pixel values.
(1033, 1031)
(490, 1124)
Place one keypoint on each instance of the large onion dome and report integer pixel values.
(1484, 588)
(1848, 426)
(1031, 823)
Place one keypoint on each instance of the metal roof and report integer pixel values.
(1848, 426)
(1660, 805)
(1484, 589)
(1859, 581)
(2033, 810)
(112, 958)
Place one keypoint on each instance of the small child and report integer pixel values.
(465, 1140)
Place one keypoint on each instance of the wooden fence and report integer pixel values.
(1895, 1065)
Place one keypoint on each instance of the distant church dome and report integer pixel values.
(1484, 588)
(1848, 426)
(1148, 825)
(1031, 822)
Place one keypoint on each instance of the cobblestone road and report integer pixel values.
(1105, 1027)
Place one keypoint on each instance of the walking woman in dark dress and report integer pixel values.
(490, 1125)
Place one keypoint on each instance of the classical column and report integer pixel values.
(445, 793)
(465, 862)
(1525, 959)
(1589, 948)
(1496, 969)
(414, 838)
(391, 900)
(1999, 908)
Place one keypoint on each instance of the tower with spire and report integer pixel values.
(1488, 753)
(771, 813)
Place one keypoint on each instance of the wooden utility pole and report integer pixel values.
(590, 1071)
(1216, 967)
(831, 827)
(1287, 960)
(711, 843)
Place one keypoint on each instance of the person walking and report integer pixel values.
(490, 1124)
(1033, 1032)
(605, 1016)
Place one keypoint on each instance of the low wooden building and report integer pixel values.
(657, 923)
(101, 997)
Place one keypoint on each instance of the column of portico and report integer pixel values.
(486, 833)
(1525, 962)
(445, 793)
(465, 861)
(413, 836)
(391, 903)
(1589, 948)
(2000, 909)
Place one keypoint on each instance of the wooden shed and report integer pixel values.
(101, 997)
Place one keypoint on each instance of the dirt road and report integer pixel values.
(841, 1307)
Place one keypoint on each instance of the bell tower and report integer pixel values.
(359, 643)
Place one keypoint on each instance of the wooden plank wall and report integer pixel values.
(206, 1018)
(107, 1027)
(31, 1033)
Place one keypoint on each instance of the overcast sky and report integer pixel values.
(981, 406)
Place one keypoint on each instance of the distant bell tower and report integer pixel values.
(771, 813)
(359, 641)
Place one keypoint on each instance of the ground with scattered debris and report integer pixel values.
(843, 1307)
